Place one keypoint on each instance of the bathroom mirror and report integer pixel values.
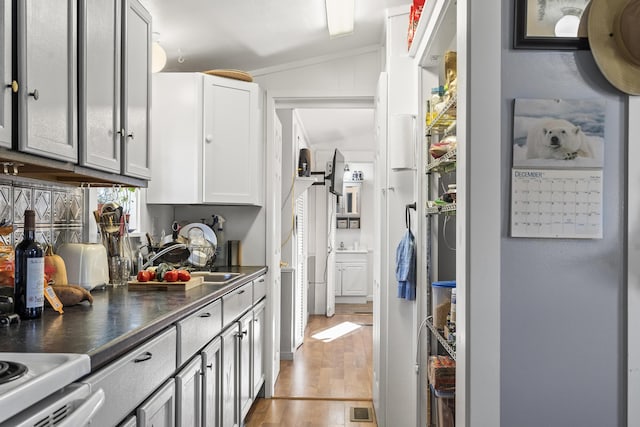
(350, 201)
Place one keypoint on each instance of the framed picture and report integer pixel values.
(550, 24)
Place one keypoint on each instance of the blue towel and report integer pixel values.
(406, 267)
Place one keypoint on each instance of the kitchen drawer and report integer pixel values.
(196, 330)
(128, 381)
(259, 288)
(236, 303)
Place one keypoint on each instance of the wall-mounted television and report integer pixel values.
(337, 173)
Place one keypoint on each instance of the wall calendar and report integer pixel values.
(558, 158)
(556, 203)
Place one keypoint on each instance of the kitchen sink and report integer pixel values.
(217, 277)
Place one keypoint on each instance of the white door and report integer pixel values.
(331, 255)
(274, 227)
(380, 241)
(302, 282)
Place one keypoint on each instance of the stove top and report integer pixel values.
(10, 371)
(26, 378)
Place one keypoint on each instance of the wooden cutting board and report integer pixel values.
(153, 285)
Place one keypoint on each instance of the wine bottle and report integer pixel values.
(29, 270)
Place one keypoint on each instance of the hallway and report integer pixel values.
(330, 375)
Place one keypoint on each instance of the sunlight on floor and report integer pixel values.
(335, 332)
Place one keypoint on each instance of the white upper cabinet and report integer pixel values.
(231, 154)
(5, 72)
(136, 90)
(48, 78)
(100, 54)
(206, 142)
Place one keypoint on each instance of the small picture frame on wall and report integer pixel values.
(551, 24)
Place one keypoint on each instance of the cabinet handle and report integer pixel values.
(241, 334)
(13, 86)
(208, 138)
(145, 356)
(256, 320)
(131, 135)
(241, 292)
(35, 94)
(210, 366)
(205, 315)
(120, 132)
(260, 280)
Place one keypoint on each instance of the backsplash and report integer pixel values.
(59, 210)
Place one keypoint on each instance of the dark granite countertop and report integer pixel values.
(118, 320)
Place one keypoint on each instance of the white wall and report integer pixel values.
(354, 74)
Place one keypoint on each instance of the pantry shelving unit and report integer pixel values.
(436, 34)
(450, 349)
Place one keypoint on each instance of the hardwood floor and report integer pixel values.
(329, 375)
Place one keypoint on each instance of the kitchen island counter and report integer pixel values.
(118, 320)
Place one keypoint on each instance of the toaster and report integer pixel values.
(86, 264)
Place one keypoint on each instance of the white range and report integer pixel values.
(38, 389)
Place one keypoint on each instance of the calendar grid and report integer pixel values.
(556, 203)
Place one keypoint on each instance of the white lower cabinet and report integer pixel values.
(128, 381)
(159, 409)
(191, 375)
(211, 366)
(229, 368)
(353, 278)
(189, 394)
(351, 273)
(257, 347)
(245, 387)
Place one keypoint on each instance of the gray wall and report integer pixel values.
(562, 300)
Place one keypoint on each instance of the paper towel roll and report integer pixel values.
(402, 142)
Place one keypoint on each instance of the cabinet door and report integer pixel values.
(245, 387)
(354, 279)
(189, 394)
(211, 365)
(159, 409)
(257, 341)
(176, 130)
(129, 422)
(5, 72)
(136, 89)
(232, 158)
(229, 407)
(100, 70)
(48, 78)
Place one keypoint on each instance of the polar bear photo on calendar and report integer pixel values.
(558, 133)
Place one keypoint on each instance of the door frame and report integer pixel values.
(273, 100)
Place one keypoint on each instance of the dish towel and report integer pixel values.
(406, 267)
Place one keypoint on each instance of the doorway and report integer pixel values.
(283, 101)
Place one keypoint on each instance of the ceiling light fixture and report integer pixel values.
(340, 16)
(158, 55)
